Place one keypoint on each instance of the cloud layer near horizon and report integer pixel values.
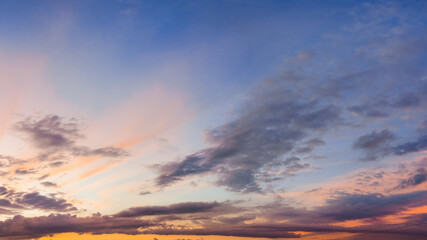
(137, 220)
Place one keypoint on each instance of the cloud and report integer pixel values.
(237, 231)
(239, 180)
(53, 134)
(420, 176)
(56, 164)
(7, 211)
(280, 120)
(43, 177)
(180, 208)
(49, 184)
(3, 190)
(373, 140)
(105, 151)
(284, 230)
(385, 236)
(407, 100)
(10, 160)
(131, 221)
(368, 111)
(20, 227)
(25, 201)
(374, 144)
(25, 171)
(345, 206)
(49, 132)
(377, 144)
(309, 145)
(303, 102)
(268, 125)
(359, 206)
(409, 147)
(35, 200)
(8, 204)
(381, 106)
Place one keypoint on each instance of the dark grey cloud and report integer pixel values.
(43, 177)
(418, 177)
(342, 207)
(144, 193)
(309, 145)
(409, 147)
(381, 106)
(56, 164)
(20, 227)
(48, 184)
(407, 100)
(54, 136)
(385, 236)
(368, 111)
(374, 144)
(8, 204)
(282, 169)
(378, 144)
(270, 124)
(180, 208)
(105, 151)
(3, 190)
(25, 171)
(239, 180)
(315, 142)
(34, 200)
(359, 206)
(236, 231)
(49, 132)
(374, 140)
(275, 230)
(37, 201)
(237, 220)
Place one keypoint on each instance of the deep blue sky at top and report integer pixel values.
(229, 44)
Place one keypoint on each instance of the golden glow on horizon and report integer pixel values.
(76, 236)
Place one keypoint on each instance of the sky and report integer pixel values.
(213, 120)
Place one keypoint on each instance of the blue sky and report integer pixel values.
(238, 119)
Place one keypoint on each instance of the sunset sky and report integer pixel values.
(213, 120)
